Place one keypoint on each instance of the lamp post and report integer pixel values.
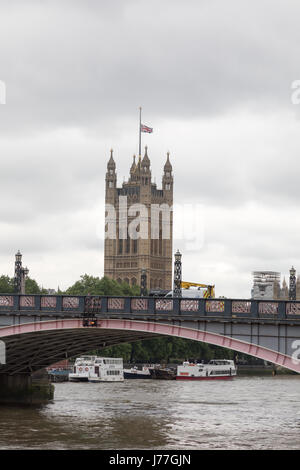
(20, 275)
(25, 272)
(143, 283)
(292, 289)
(177, 274)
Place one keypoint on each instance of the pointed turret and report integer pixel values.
(146, 162)
(133, 166)
(133, 171)
(145, 169)
(168, 166)
(111, 165)
(111, 177)
(167, 181)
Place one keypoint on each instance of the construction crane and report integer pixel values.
(210, 290)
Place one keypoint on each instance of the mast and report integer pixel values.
(140, 133)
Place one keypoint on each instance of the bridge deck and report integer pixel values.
(94, 305)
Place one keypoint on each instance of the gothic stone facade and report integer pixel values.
(125, 257)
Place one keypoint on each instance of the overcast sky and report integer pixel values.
(214, 79)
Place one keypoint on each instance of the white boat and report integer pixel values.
(97, 369)
(215, 369)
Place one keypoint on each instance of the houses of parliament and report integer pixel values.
(126, 257)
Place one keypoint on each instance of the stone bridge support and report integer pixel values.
(24, 389)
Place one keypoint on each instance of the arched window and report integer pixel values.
(133, 281)
(134, 246)
(126, 280)
(127, 243)
(119, 280)
(160, 241)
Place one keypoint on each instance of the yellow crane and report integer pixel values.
(208, 294)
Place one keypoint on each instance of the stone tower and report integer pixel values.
(139, 225)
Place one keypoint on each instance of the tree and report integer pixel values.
(32, 287)
(6, 285)
(120, 350)
(90, 285)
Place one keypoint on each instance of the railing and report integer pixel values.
(94, 305)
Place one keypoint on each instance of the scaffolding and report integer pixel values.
(266, 285)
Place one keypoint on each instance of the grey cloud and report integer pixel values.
(87, 63)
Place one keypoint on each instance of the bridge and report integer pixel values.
(39, 330)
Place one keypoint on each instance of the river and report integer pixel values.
(245, 413)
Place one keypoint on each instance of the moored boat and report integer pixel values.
(163, 373)
(82, 368)
(135, 373)
(215, 369)
(97, 369)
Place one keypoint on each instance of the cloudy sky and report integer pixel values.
(214, 79)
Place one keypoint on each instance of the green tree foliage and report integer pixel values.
(120, 350)
(32, 287)
(6, 285)
(89, 285)
(166, 349)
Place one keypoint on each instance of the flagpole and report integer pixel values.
(140, 134)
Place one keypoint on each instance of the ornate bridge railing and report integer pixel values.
(96, 305)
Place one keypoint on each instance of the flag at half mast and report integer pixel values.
(146, 129)
(143, 128)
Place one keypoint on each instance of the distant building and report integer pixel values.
(51, 291)
(124, 257)
(267, 286)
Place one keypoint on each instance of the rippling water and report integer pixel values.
(245, 413)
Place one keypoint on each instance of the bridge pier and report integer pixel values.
(23, 389)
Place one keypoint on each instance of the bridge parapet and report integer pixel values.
(87, 305)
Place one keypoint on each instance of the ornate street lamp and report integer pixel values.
(143, 283)
(25, 272)
(18, 257)
(20, 275)
(292, 289)
(177, 275)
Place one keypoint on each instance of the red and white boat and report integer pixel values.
(215, 369)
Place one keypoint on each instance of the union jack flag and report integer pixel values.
(146, 129)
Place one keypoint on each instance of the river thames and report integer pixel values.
(245, 413)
